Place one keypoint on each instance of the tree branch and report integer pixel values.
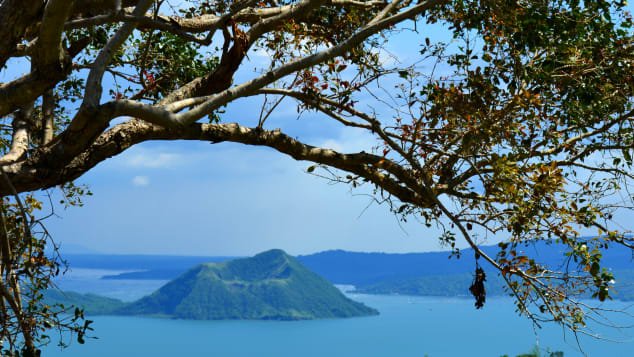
(49, 51)
(93, 82)
(248, 88)
(20, 138)
(48, 116)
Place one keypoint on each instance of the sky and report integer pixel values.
(195, 198)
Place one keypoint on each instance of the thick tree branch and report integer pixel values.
(16, 16)
(267, 24)
(376, 169)
(20, 138)
(206, 22)
(48, 117)
(49, 52)
(24, 90)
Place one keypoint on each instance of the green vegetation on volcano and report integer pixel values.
(271, 286)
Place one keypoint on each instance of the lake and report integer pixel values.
(407, 326)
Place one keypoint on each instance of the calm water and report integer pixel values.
(89, 281)
(407, 326)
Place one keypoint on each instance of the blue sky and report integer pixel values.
(225, 200)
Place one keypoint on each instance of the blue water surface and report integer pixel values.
(407, 326)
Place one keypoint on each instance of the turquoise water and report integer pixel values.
(407, 326)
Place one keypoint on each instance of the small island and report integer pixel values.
(269, 286)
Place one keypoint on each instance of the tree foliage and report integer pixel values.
(518, 127)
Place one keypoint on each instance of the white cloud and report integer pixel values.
(351, 140)
(333, 144)
(263, 53)
(140, 181)
(153, 160)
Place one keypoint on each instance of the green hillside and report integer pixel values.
(91, 303)
(433, 285)
(271, 285)
(458, 285)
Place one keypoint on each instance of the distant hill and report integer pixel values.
(365, 269)
(438, 274)
(271, 285)
(360, 269)
(91, 303)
